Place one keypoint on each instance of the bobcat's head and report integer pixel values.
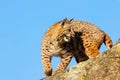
(65, 32)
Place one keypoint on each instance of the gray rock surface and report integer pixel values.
(105, 66)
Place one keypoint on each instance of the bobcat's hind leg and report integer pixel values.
(92, 51)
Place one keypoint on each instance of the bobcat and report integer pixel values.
(68, 38)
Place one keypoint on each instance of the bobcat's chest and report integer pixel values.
(54, 49)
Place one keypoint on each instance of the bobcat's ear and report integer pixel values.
(71, 20)
(64, 22)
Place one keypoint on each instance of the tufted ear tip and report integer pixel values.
(65, 21)
(71, 19)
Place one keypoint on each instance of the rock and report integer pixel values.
(105, 66)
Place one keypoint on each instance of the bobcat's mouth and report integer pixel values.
(67, 38)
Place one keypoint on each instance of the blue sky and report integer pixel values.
(23, 23)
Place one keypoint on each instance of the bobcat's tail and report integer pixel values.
(108, 41)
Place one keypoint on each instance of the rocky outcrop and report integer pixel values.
(105, 66)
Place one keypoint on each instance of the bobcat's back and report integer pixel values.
(92, 37)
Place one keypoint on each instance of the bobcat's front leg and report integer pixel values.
(46, 61)
(65, 60)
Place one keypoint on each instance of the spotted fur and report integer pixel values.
(69, 38)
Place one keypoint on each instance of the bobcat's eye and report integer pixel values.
(69, 30)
